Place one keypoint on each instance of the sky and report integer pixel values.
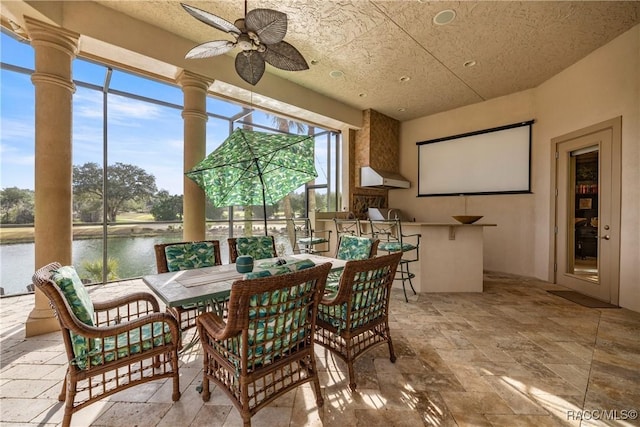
(141, 133)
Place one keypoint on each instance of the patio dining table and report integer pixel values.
(210, 285)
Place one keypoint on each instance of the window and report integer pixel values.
(129, 126)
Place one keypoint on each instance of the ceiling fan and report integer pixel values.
(259, 34)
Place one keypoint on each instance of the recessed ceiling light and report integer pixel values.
(469, 64)
(362, 95)
(402, 109)
(336, 74)
(405, 79)
(314, 62)
(444, 17)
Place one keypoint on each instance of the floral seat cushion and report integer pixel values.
(187, 256)
(307, 241)
(259, 247)
(395, 246)
(275, 320)
(122, 345)
(275, 270)
(75, 293)
(354, 247)
(369, 295)
(78, 298)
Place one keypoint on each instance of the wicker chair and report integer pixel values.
(265, 346)
(357, 318)
(259, 247)
(306, 239)
(112, 345)
(186, 256)
(350, 248)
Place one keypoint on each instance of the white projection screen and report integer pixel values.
(489, 161)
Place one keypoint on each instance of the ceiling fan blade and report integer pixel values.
(270, 25)
(211, 19)
(209, 49)
(284, 56)
(250, 66)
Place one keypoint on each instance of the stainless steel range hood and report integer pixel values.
(370, 177)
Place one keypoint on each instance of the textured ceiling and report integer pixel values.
(516, 45)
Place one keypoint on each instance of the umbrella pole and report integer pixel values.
(264, 198)
(264, 210)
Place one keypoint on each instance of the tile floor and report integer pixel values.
(514, 355)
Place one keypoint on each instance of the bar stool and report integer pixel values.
(350, 226)
(389, 232)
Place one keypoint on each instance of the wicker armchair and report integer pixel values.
(265, 346)
(349, 248)
(110, 345)
(259, 247)
(357, 318)
(186, 256)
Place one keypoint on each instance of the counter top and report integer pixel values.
(435, 224)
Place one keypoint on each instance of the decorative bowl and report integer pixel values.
(467, 219)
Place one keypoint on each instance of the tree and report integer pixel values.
(167, 207)
(17, 206)
(125, 183)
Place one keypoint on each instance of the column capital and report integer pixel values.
(42, 34)
(193, 80)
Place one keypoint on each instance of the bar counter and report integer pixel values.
(451, 255)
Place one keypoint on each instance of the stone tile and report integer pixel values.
(23, 410)
(28, 388)
(475, 402)
(511, 356)
(122, 414)
(207, 416)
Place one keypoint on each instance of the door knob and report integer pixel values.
(606, 237)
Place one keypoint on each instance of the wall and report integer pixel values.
(602, 86)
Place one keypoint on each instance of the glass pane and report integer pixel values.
(585, 248)
(217, 132)
(15, 52)
(322, 159)
(89, 72)
(17, 170)
(221, 107)
(148, 88)
(318, 200)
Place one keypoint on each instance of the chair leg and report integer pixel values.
(68, 406)
(352, 376)
(63, 392)
(405, 275)
(206, 393)
(175, 396)
(392, 353)
(318, 390)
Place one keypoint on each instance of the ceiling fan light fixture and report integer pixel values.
(259, 35)
(444, 17)
(404, 79)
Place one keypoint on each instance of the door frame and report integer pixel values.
(615, 125)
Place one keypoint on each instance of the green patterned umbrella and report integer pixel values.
(255, 168)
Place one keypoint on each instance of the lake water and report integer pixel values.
(135, 258)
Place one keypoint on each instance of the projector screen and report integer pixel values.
(490, 161)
